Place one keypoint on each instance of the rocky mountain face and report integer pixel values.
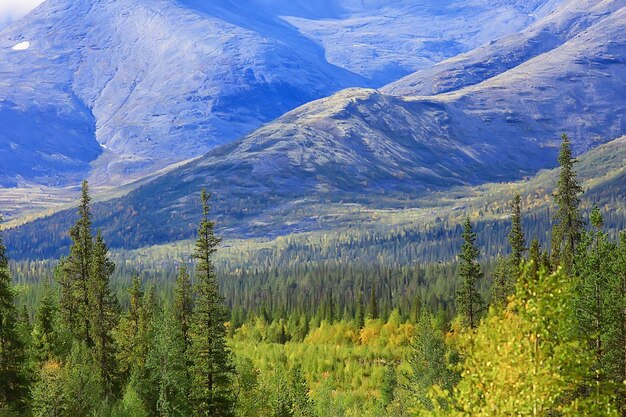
(114, 89)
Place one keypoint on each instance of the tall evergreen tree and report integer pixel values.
(517, 240)
(168, 367)
(469, 302)
(360, 311)
(502, 286)
(598, 304)
(568, 220)
(104, 311)
(128, 355)
(212, 368)
(429, 361)
(45, 336)
(13, 378)
(75, 270)
(183, 302)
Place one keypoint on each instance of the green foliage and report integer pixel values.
(104, 315)
(13, 376)
(568, 220)
(431, 362)
(211, 370)
(168, 367)
(599, 303)
(469, 301)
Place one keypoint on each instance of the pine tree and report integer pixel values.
(212, 369)
(13, 378)
(104, 312)
(373, 305)
(183, 302)
(517, 240)
(75, 270)
(568, 220)
(469, 301)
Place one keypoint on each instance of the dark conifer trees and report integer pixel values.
(517, 240)
(75, 270)
(104, 314)
(568, 225)
(469, 301)
(183, 302)
(13, 379)
(212, 369)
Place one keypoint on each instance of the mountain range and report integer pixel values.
(489, 114)
(115, 89)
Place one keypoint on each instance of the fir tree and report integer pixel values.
(568, 220)
(598, 304)
(183, 302)
(212, 369)
(168, 367)
(502, 286)
(45, 336)
(13, 378)
(75, 270)
(517, 240)
(429, 361)
(360, 311)
(469, 301)
(104, 312)
(128, 352)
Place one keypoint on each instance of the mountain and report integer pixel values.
(115, 89)
(548, 32)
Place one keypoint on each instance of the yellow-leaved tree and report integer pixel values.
(525, 359)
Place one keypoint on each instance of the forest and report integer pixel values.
(536, 328)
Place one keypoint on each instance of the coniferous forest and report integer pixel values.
(539, 330)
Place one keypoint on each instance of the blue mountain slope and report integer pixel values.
(113, 89)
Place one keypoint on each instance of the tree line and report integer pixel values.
(548, 337)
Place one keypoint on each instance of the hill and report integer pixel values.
(107, 88)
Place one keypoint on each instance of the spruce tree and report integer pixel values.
(45, 336)
(13, 378)
(360, 311)
(168, 367)
(128, 355)
(598, 304)
(517, 240)
(469, 301)
(183, 302)
(104, 312)
(212, 369)
(502, 286)
(568, 220)
(75, 270)
(428, 359)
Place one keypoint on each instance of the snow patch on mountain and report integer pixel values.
(22, 46)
